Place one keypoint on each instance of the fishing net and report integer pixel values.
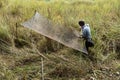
(64, 35)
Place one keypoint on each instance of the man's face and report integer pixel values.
(82, 26)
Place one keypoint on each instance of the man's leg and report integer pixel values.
(87, 45)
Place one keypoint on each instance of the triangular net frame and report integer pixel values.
(64, 35)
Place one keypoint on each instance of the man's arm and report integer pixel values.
(84, 33)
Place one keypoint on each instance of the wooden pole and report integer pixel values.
(16, 30)
(42, 69)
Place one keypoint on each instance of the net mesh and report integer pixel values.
(64, 35)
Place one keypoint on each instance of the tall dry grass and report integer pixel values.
(102, 15)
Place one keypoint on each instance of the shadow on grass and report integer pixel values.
(89, 57)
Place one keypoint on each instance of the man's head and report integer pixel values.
(81, 23)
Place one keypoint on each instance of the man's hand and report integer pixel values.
(80, 36)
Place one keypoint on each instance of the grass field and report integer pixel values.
(18, 45)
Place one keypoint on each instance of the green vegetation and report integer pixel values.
(18, 45)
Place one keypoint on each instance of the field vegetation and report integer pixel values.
(19, 46)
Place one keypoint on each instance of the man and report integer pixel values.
(86, 34)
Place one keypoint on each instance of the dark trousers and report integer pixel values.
(88, 43)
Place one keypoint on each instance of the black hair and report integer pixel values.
(81, 23)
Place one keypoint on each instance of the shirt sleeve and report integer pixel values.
(84, 33)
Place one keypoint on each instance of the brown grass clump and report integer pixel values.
(63, 71)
